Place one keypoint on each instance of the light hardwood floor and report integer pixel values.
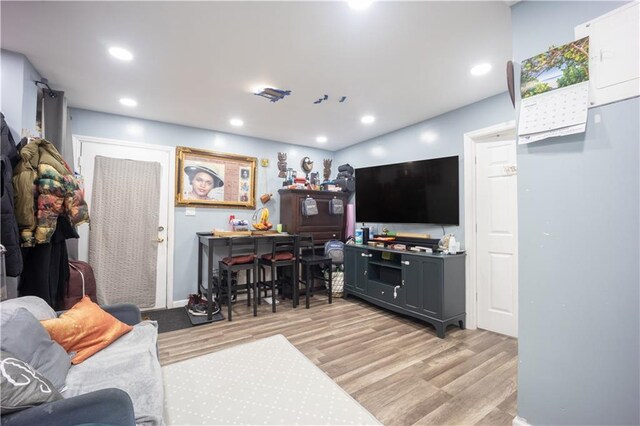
(394, 366)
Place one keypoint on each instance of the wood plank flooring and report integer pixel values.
(394, 366)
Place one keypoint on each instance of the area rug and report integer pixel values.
(263, 382)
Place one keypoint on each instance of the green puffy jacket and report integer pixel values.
(45, 188)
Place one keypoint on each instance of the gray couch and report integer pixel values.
(120, 385)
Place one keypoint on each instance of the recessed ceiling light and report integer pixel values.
(481, 69)
(128, 102)
(236, 122)
(368, 119)
(321, 139)
(359, 4)
(120, 53)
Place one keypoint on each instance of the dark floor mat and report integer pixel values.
(177, 319)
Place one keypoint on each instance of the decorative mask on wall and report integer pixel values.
(282, 164)
(307, 165)
(327, 169)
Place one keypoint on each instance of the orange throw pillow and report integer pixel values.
(85, 329)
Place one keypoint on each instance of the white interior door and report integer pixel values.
(496, 236)
(89, 148)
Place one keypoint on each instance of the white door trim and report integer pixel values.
(77, 139)
(470, 140)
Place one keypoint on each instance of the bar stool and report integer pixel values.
(308, 259)
(242, 257)
(283, 254)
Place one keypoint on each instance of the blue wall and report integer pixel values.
(19, 94)
(440, 136)
(91, 123)
(578, 250)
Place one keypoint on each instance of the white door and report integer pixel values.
(89, 148)
(496, 236)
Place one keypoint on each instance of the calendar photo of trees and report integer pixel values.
(556, 68)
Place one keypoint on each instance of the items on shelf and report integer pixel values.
(327, 169)
(345, 179)
(282, 165)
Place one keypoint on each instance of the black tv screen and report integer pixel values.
(413, 192)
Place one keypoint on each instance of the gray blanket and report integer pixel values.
(131, 364)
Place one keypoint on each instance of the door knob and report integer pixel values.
(405, 262)
(159, 240)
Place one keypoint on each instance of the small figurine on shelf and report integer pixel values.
(327, 169)
(314, 179)
(282, 164)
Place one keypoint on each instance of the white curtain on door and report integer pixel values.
(123, 247)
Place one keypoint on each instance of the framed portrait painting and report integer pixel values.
(213, 179)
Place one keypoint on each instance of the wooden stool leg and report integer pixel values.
(256, 291)
(330, 285)
(307, 286)
(294, 275)
(229, 294)
(273, 288)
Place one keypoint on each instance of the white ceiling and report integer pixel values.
(196, 62)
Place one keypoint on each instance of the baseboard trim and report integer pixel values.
(179, 303)
(519, 421)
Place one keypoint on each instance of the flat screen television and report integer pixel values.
(423, 191)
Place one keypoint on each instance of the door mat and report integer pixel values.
(177, 319)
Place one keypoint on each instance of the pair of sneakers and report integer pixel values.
(197, 305)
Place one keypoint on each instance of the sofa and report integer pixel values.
(119, 385)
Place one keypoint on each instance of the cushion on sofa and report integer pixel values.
(131, 364)
(37, 306)
(85, 329)
(25, 338)
(21, 386)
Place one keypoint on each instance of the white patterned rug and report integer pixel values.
(263, 382)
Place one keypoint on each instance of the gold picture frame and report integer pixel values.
(213, 179)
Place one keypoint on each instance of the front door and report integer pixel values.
(160, 160)
(497, 223)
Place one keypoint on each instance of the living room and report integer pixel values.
(570, 368)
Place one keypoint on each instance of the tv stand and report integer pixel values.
(427, 286)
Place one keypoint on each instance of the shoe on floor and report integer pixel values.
(200, 309)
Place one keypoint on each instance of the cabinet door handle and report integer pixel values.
(405, 262)
(395, 291)
(363, 254)
(402, 285)
(369, 255)
(365, 272)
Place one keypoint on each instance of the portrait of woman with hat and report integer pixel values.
(202, 180)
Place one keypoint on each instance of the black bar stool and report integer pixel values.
(242, 257)
(283, 254)
(308, 260)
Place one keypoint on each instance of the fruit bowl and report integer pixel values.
(262, 226)
(260, 220)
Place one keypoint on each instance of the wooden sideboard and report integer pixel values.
(323, 226)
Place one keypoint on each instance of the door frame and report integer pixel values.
(470, 141)
(171, 150)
